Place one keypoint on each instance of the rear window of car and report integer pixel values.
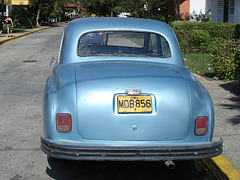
(121, 43)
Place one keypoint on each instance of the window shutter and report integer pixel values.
(220, 5)
(231, 11)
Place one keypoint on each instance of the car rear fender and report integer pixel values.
(201, 105)
(48, 107)
(59, 97)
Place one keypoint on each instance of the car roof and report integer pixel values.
(137, 24)
(78, 27)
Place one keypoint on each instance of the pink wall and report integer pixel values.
(184, 8)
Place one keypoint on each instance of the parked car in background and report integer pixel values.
(125, 94)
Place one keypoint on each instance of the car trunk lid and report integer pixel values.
(99, 85)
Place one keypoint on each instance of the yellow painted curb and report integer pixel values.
(223, 168)
(227, 168)
(24, 34)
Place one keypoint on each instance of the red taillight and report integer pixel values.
(201, 125)
(64, 122)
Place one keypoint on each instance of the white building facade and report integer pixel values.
(225, 11)
(220, 10)
(197, 6)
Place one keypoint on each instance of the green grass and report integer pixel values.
(199, 64)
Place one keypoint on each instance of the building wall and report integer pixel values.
(187, 7)
(19, 2)
(237, 12)
(184, 9)
(10, 3)
(184, 6)
(214, 10)
(8, 9)
(208, 6)
(217, 11)
(197, 6)
(23, 2)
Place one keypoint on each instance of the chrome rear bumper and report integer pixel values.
(136, 153)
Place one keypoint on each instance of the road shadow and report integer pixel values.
(234, 88)
(209, 75)
(235, 120)
(235, 103)
(104, 170)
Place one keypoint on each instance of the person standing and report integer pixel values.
(1, 25)
(9, 23)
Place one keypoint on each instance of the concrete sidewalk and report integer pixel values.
(4, 37)
(226, 100)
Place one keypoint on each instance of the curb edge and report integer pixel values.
(221, 166)
(24, 34)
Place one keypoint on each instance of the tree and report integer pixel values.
(99, 7)
(58, 8)
(39, 6)
(153, 9)
(23, 17)
(176, 4)
(46, 8)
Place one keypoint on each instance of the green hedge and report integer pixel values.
(221, 40)
(226, 59)
(199, 40)
(205, 33)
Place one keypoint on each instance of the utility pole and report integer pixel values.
(2, 9)
(112, 10)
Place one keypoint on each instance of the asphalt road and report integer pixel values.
(24, 67)
(23, 70)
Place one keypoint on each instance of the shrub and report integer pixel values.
(221, 40)
(201, 17)
(207, 32)
(226, 59)
(199, 41)
(183, 40)
(237, 61)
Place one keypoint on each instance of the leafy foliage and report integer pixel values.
(199, 40)
(152, 9)
(226, 59)
(221, 40)
(98, 7)
(201, 17)
(199, 36)
(57, 8)
(23, 16)
(46, 9)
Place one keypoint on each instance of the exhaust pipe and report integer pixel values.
(170, 165)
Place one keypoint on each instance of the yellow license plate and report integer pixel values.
(134, 104)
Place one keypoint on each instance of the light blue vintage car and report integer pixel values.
(119, 90)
